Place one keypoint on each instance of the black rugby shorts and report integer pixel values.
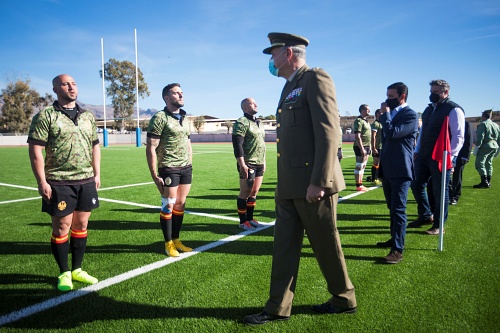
(68, 198)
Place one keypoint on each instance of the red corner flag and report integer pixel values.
(443, 144)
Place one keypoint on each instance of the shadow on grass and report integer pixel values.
(96, 308)
(23, 291)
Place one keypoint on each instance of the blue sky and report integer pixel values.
(214, 48)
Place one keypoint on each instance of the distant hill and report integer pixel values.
(97, 110)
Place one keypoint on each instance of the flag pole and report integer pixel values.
(105, 130)
(442, 201)
(138, 129)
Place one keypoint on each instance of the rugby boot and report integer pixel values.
(64, 282)
(82, 276)
(181, 247)
(170, 249)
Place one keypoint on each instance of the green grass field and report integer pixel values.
(141, 290)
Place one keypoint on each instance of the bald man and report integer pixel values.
(68, 177)
(250, 153)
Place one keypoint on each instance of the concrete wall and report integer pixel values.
(114, 139)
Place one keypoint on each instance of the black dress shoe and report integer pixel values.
(330, 308)
(421, 221)
(385, 244)
(262, 318)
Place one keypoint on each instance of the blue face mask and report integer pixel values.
(272, 69)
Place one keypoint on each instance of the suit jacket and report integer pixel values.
(398, 142)
(467, 146)
(308, 131)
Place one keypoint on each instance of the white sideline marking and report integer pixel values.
(19, 200)
(355, 194)
(158, 207)
(53, 302)
(101, 189)
(124, 186)
(35, 189)
(19, 186)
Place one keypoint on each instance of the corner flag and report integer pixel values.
(443, 144)
(442, 155)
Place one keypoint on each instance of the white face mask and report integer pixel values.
(272, 69)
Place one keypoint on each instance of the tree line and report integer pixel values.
(21, 101)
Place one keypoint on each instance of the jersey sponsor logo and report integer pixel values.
(61, 205)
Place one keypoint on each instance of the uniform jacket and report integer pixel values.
(398, 142)
(488, 134)
(308, 131)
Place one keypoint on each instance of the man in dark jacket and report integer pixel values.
(462, 159)
(399, 129)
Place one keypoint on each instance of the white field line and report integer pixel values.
(19, 186)
(53, 302)
(35, 189)
(352, 195)
(101, 189)
(220, 217)
(18, 200)
(124, 186)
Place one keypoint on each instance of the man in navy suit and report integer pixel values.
(399, 129)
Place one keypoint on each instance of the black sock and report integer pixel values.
(251, 203)
(166, 223)
(78, 245)
(242, 209)
(60, 250)
(177, 218)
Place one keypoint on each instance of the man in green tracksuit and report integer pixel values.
(487, 147)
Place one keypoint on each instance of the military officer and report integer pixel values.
(487, 147)
(309, 179)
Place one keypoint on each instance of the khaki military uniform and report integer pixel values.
(487, 141)
(308, 129)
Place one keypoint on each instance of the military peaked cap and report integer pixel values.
(278, 39)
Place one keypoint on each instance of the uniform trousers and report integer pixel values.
(484, 161)
(293, 216)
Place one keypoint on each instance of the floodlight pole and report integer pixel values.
(105, 130)
(138, 129)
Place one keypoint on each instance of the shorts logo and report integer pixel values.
(168, 181)
(61, 205)
(93, 201)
